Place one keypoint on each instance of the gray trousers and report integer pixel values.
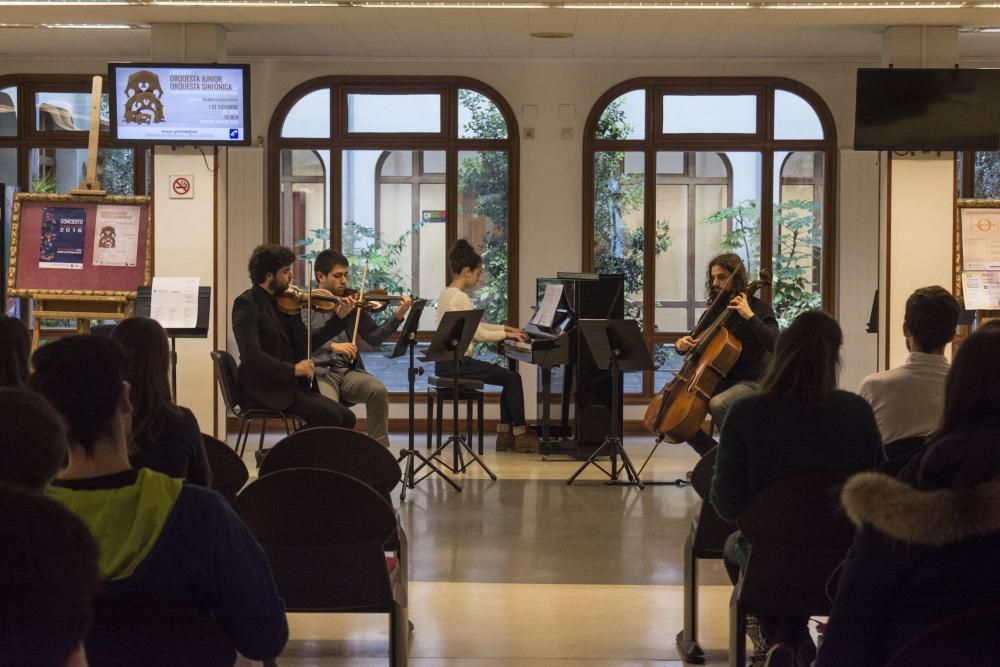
(360, 387)
(719, 404)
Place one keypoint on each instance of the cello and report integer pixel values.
(678, 411)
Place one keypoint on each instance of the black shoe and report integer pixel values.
(260, 454)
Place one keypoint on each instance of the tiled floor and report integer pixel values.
(529, 571)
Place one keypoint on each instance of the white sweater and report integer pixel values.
(453, 298)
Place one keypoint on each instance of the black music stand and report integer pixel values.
(407, 342)
(451, 340)
(143, 306)
(616, 345)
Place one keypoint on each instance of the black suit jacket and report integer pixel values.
(269, 348)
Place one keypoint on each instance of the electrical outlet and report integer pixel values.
(529, 133)
(566, 133)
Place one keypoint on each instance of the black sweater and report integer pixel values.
(175, 448)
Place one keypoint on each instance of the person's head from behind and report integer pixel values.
(971, 392)
(806, 359)
(270, 267)
(148, 354)
(332, 271)
(33, 448)
(46, 595)
(720, 269)
(83, 377)
(465, 263)
(930, 320)
(15, 347)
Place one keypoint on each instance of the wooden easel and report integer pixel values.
(82, 308)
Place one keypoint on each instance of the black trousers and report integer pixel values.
(318, 410)
(512, 394)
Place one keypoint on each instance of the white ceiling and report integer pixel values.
(283, 32)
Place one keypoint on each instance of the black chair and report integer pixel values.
(899, 453)
(799, 537)
(323, 533)
(229, 473)
(146, 630)
(439, 390)
(969, 638)
(227, 374)
(704, 541)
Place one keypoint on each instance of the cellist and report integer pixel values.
(757, 330)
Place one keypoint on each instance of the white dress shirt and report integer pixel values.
(908, 400)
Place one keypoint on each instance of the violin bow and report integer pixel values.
(361, 300)
(309, 310)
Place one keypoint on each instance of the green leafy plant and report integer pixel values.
(796, 250)
(617, 248)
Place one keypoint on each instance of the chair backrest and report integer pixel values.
(799, 536)
(899, 453)
(342, 450)
(969, 638)
(227, 373)
(701, 476)
(323, 533)
(229, 473)
(142, 629)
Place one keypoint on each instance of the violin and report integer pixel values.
(294, 299)
(677, 412)
(375, 301)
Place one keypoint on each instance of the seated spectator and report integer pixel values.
(165, 437)
(927, 547)
(15, 347)
(798, 423)
(908, 400)
(33, 447)
(49, 561)
(156, 534)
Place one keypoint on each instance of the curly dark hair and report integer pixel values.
(268, 258)
(931, 317)
(329, 258)
(732, 263)
(463, 256)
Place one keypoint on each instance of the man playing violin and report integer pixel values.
(340, 370)
(757, 330)
(275, 371)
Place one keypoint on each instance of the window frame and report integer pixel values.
(762, 141)
(447, 140)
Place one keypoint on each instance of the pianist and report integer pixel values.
(512, 432)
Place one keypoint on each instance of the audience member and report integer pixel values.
(798, 423)
(927, 547)
(156, 534)
(49, 561)
(908, 400)
(165, 437)
(33, 448)
(15, 346)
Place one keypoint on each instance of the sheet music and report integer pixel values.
(174, 302)
(546, 314)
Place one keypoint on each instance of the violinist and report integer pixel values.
(340, 370)
(757, 330)
(276, 373)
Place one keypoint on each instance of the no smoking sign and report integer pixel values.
(182, 187)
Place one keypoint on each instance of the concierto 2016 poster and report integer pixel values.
(63, 233)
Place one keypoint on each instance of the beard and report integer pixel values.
(279, 288)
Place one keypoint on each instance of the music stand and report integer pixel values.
(407, 342)
(451, 340)
(143, 306)
(616, 345)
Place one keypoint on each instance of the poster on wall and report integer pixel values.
(116, 238)
(980, 239)
(981, 290)
(63, 233)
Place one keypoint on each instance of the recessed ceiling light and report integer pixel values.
(552, 35)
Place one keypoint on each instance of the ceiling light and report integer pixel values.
(552, 35)
(863, 5)
(92, 26)
(659, 5)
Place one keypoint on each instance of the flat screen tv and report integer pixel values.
(180, 104)
(927, 109)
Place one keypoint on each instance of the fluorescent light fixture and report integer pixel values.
(92, 26)
(659, 5)
(380, 4)
(864, 5)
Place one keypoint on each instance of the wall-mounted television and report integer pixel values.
(180, 104)
(927, 109)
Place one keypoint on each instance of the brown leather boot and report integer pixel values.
(505, 441)
(526, 441)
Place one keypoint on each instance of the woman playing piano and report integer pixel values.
(466, 269)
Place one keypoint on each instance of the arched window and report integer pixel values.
(392, 171)
(677, 170)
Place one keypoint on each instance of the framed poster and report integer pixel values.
(68, 245)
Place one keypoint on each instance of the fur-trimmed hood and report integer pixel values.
(907, 514)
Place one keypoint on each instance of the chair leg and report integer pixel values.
(440, 418)
(468, 421)
(242, 437)
(430, 418)
(479, 420)
(687, 638)
(263, 429)
(399, 636)
(737, 631)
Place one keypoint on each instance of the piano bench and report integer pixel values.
(439, 390)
